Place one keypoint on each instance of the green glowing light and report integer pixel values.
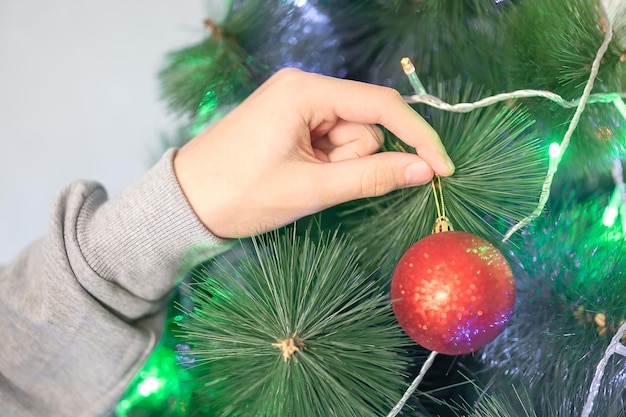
(148, 386)
(157, 387)
(123, 407)
(610, 214)
(554, 150)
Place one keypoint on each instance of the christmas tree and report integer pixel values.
(311, 320)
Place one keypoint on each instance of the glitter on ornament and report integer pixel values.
(453, 292)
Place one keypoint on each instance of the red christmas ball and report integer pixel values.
(452, 292)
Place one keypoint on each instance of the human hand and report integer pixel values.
(299, 144)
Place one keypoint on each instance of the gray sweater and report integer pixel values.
(82, 308)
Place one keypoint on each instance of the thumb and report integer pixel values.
(370, 176)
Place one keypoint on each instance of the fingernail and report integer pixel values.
(450, 164)
(417, 173)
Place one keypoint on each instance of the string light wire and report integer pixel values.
(425, 367)
(615, 346)
(437, 103)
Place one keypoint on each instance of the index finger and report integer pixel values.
(371, 104)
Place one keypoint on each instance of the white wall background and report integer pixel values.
(79, 98)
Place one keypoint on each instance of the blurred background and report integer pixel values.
(79, 98)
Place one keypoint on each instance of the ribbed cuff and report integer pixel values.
(141, 237)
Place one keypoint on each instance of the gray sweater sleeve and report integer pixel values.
(82, 308)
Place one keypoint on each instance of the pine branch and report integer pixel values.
(500, 168)
(557, 57)
(199, 80)
(444, 39)
(296, 327)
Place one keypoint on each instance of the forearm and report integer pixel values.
(81, 309)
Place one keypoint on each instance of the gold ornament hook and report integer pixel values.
(442, 224)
